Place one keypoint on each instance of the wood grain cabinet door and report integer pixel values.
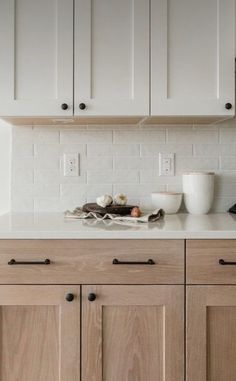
(211, 333)
(133, 333)
(39, 333)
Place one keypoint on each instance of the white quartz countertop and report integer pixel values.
(55, 226)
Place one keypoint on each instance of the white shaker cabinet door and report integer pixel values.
(36, 59)
(192, 62)
(111, 57)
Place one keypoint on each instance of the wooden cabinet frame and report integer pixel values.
(187, 319)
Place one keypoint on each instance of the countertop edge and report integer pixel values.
(119, 235)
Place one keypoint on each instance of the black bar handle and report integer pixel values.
(14, 262)
(148, 262)
(223, 263)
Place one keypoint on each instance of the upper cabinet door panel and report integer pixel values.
(192, 58)
(112, 57)
(36, 65)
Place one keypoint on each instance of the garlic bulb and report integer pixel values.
(104, 201)
(120, 199)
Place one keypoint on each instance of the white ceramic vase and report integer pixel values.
(198, 188)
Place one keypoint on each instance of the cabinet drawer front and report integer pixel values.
(91, 261)
(211, 261)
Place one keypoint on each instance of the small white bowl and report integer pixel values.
(168, 201)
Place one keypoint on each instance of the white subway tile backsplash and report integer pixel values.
(22, 148)
(228, 134)
(135, 162)
(192, 136)
(140, 190)
(222, 204)
(102, 163)
(113, 177)
(46, 176)
(25, 133)
(214, 149)
(228, 163)
(152, 176)
(113, 150)
(44, 134)
(46, 204)
(78, 136)
(227, 189)
(143, 136)
(99, 190)
(47, 162)
(22, 176)
(116, 159)
(155, 149)
(74, 190)
(46, 190)
(22, 203)
(185, 164)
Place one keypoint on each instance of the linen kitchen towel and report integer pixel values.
(79, 214)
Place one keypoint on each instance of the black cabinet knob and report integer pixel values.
(82, 106)
(91, 297)
(69, 297)
(228, 106)
(64, 106)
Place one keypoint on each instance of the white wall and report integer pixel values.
(5, 166)
(117, 159)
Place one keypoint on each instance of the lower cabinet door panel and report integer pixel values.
(133, 333)
(39, 333)
(211, 333)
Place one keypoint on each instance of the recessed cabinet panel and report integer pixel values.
(21, 328)
(192, 57)
(39, 333)
(133, 333)
(138, 332)
(36, 65)
(211, 333)
(112, 57)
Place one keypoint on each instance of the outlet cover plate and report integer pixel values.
(166, 164)
(71, 164)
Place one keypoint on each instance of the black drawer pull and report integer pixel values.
(148, 262)
(223, 262)
(14, 262)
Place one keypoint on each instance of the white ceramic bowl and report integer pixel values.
(168, 201)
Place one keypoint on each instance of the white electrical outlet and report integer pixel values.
(166, 164)
(71, 164)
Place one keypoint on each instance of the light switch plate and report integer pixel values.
(71, 164)
(166, 164)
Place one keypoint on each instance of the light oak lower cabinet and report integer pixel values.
(211, 333)
(39, 333)
(133, 330)
(133, 333)
(211, 310)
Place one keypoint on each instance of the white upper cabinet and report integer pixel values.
(192, 57)
(36, 60)
(91, 58)
(111, 57)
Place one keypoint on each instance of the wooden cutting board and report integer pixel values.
(123, 210)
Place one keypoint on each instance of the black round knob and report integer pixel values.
(69, 297)
(64, 106)
(228, 106)
(82, 106)
(91, 297)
